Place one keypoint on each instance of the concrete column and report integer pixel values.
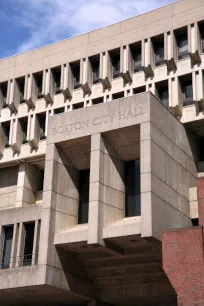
(36, 242)
(14, 245)
(107, 191)
(20, 245)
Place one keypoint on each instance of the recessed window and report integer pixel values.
(42, 123)
(158, 44)
(21, 86)
(3, 88)
(28, 243)
(97, 101)
(6, 129)
(41, 180)
(132, 188)
(163, 92)
(187, 90)
(118, 95)
(139, 90)
(84, 178)
(182, 43)
(76, 74)
(7, 246)
(78, 105)
(115, 60)
(57, 79)
(136, 50)
(39, 83)
(24, 127)
(95, 64)
(59, 110)
(202, 36)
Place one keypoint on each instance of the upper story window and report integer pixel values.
(59, 110)
(21, 86)
(95, 64)
(39, 83)
(57, 79)
(202, 36)
(6, 128)
(76, 74)
(83, 211)
(158, 44)
(4, 88)
(42, 123)
(7, 246)
(28, 243)
(115, 60)
(136, 50)
(78, 105)
(182, 43)
(163, 92)
(24, 127)
(187, 90)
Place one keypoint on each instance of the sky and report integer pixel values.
(28, 24)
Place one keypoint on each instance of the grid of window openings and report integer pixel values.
(29, 240)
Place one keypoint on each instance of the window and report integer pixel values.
(187, 90)
(118, 95)
(163, 92)
(24, 127)
(42, 122)
(95, 64)
(97, 101)
(57, 77)
(21, 86)
(76, 74)
(132, 188)
(137, 57)
(7, 246)
(139, 90)
(202, 36)
(59, 110)
(158, 44)
(182, 44)
(78, 105)
(28, 243)
(6, 128)
(39, 82)
(84, 178)
(41, 180)
(115, 59)
(3, 88)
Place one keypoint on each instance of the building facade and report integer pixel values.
(102, 166)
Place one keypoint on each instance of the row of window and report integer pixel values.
(26, 256)
(136, 52)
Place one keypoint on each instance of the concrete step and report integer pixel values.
(103, 282)
(122, 260)
(115, 270)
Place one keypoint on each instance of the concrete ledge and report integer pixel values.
(78, 233)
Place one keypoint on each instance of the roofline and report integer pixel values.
(81, 34)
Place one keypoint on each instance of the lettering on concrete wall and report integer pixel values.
(99, 120)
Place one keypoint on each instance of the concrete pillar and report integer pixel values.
(14, 245)
(107, 191)
(36, 242)
(20, 245)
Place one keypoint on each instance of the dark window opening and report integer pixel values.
(24, 127)
(84, 178)
(187, 91)
(158, 44)
(163, 93)
(6, 128)
(28, 244)
(95, 64)
(118, 95)
(42, 123)
(137, 57)
(97, 101)
(21, 86)
(195, 222)
(57, 78)
(59, 110)
(3, 88)
(139, 90)
(201, 149)
(202, 36)
(182, 44)
(76, 74)
(7, 246)
(115, 59)
(132, 188)
(39, 83)
(78, 105)
(41, 180)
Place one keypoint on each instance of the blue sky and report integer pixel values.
(29, 24)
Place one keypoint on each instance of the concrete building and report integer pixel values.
(102, 166)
